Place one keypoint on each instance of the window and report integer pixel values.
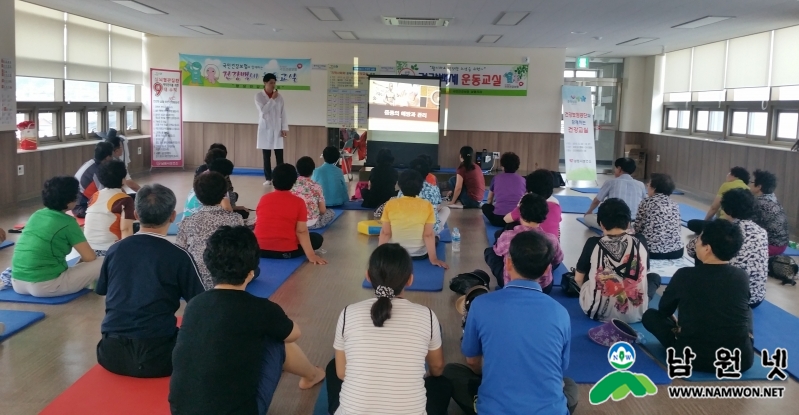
(72, 123)
(131, 121)
(22, 116)
(678, 119)
(568, 74)
(787, 125)
(709, 121)
(739, 122)
(751, 94)
(93, 117)
(46, 125)
(758, 123)
(81, 91)
(789, 93)
(35, 89)
(112, 119)
(585, 74)
(121, 92)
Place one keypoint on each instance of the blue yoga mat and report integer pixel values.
(16, 321)
(557, 274)
(12, 297)
(775, 327)
(592, 229)
(6, 244)
(244, 171)
(426, 276)
(445, 236)
(664, 280)
(453, 169)
(173, 228)
(788, 251)
(354, 205)
(274, 272)
(321, 401)
(574, 204)
(490, 231)
(595, 190)
(689, 213)
(337, 214)
(588, 362)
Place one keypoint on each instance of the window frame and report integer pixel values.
(678, 107)
(702, 106)
(776, 108)
(83, 109)
(749, 107)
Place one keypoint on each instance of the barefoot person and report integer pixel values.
(273, 125)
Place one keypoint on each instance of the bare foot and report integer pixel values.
(318, 377)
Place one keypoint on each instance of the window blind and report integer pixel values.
(708, 64)
(126, 56)
(785, 65)
(39, 42)
(87, 49)
(678, 71)
(748, 61)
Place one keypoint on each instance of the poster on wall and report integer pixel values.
(347, 93)
(578, 133)
(247, 73)
(166, 118)
(8, 98)
(472, 79)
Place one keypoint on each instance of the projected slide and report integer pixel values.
(404, 111)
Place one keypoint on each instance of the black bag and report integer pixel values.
(557, 179)
(463, 282)
(569, 285)
(783, 268)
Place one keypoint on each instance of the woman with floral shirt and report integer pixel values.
(658, 220)
(310, 191)
(769, 214)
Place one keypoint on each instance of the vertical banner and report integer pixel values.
(8, 98)
(578, 133)
(166, 118)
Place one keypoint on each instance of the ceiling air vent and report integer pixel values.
(416, 21)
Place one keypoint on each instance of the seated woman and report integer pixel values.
(383, 345)
(711, 299)
(122, 154)
(281, 226)
(225, 168)
(409, 220)
(467, 185)
(210, 188)
(540, 182)
(310, 191)
(382, 181)
(739, 205)
(769, 214)
(505, 191)
(331, 179)
(429, 177)
(110, 214)
(39, 265)
(533, 209)
(612, 269)
(216, 151)
(233, 347)
(737, 178)
(658, 219)
(430, 193)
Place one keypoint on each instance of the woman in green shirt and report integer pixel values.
(39, 265)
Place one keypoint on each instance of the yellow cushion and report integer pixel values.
(369, 227)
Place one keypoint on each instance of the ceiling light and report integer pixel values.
(202, 29)
(637, 41)
(511, 18)
(693, 24)
(579, 33)
(343, 35)
(325, 14)
(135, 5)
(489, 38)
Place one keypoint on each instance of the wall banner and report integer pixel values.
(472, 79)
(578, 133)
(166, 118)
(248, 73)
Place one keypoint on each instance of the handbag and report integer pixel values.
(463, 282)
(569, 285)
(783, 268)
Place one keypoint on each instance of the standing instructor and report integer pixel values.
(272, 124)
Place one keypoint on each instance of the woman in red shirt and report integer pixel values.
(468, 185)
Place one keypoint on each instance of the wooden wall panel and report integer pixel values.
(217, 133)
(29, 185)
(537, 150)
(8, 167)
(193, 143)
(244, 152)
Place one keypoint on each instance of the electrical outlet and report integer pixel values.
(496, 154)
(20, 170)
(658, 158)
(139, 150)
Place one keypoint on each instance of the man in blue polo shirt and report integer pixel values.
(517, 343)
(143, 277)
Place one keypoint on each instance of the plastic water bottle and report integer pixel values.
(456, 240)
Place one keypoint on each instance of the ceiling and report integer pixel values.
(549, 24)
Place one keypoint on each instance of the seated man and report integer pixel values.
(121, 153)
(87, 177)
(533, 209)
(281, 226)
(143, 291)
(623, 187)
(233, 347)
(712, 300)
(110, 214)
(517, 343)
(331, 179)
(408, 220)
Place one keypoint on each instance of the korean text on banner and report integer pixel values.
(472, 79)
(248, 73)
(578, 133)
(166, 93)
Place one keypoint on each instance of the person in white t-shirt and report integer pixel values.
(382, 346)
(110, 214)
(122, 153)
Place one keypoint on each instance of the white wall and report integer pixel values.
(634, 111)
(539, 111)
(7, 43)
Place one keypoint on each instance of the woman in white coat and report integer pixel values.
(273, 126)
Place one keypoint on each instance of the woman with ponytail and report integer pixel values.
(382, 346)
(467, 185)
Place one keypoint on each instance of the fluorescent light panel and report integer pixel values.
(343, 35)
(489, 38)
(693, 24)
(637, 41)
(202, 29)
(511, 18)
(135, 5)
(325, 14)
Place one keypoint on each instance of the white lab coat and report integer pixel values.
(271, 122)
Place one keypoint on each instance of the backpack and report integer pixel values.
(463, 282)
(783, 268)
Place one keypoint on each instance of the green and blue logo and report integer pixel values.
(618, 384)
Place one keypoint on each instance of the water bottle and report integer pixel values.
(456, 240)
